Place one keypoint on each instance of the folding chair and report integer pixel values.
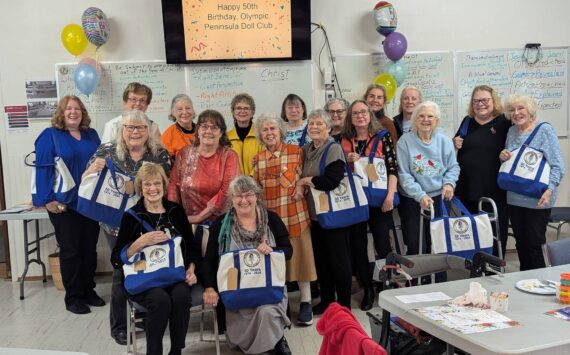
(557, 252)
(559, 217)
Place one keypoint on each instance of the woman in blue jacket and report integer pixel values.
(72, 140)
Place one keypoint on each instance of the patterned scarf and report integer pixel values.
(234, 237)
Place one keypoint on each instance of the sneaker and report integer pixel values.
(282, 347)
(305, 314)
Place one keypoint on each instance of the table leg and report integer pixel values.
(38, 251)
(27, 264)
(450, 349)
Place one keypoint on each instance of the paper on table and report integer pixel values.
(423, 297)
(17, 209)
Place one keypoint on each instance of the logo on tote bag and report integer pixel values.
(251, 259)
(381, 170)
(341, 189)
(120, 182)
(157, 255)
(460, 226)
(531, 158)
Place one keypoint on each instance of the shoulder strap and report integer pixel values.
(323, 162)
(534, 132)
(224, 236)
(464, 127)
(377, 140)
(303, 136)
(144, 223)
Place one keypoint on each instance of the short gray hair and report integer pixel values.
(342, 101)
(175, 100)
(426, 104)
(269, 118)
(320, 113)
(529, 102)
(243, 184)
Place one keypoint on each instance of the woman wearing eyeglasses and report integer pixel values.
(357, 142)
(202, 171)
(428, 171)
(478, 146)
(242, 136)
(132, 147)
(337, 109)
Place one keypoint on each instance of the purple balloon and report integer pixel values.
(395, 46)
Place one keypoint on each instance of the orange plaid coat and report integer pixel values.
(277, 173)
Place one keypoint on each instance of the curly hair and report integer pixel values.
(58, 119)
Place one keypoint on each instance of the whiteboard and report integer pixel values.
(431, 72)
(106, 102)
(506, 72)
(211, 86)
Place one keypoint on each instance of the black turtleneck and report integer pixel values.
(184, 130)
(243, 131)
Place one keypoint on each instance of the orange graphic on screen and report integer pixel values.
(230, 29)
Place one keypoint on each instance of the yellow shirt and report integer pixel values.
(245, 150)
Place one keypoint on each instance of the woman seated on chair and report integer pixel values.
(169, 304)
(251, 225)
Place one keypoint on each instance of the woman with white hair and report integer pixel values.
(331, 247)
(277, 170)
(181, 133)
(529, 215)
(132, 147)
(428, 170)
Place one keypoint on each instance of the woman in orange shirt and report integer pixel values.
(181, 133)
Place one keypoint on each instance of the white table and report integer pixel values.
(30, 247)
(537, 333)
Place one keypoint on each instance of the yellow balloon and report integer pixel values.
(389, 82)
(74, 39)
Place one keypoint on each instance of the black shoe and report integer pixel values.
(282, 348)
(94, 300)
(78, 308)
(120, 337)
(367, 299)
(320, 309)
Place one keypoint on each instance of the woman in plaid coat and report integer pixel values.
(276, 170)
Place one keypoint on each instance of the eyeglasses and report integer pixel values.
(484, 101)
(359, 113)
(209, 127)
(140, 100)
(336, 112)
(248, 196)
(131, 128)
(242, 109)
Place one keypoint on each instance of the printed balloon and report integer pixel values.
(95, 26)
(385, 17)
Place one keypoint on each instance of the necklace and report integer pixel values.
(360, 146)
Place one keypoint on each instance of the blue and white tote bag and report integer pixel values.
(343, 206)
(248, 279)
(461, 236)
(106, 195)
(527, 172)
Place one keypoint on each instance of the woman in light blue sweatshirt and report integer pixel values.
(529, 215)
(427, 169)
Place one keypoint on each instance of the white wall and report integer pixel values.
(30, 44)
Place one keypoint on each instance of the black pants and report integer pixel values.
(502, 211)
(331, 249)
(118, 304)
(77, 238)
(380, 225)
(410, 221)
(529, 229)
(169, 305)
